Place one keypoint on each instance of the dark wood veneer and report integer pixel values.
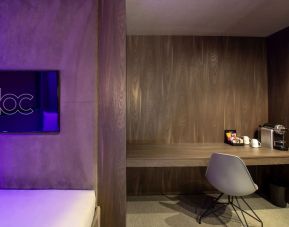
(278, 76)
(194, 155)
(188, 90)
(165, 168)
(112, 113)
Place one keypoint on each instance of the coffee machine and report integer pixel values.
(273, 136)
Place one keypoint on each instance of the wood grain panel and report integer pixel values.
(186, 180)
(189, 89)
(193, 155)
(155, 181)
(164, 169)
(278, 76)
(112, 113)
(189, 180)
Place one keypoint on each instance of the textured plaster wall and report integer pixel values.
(54, 34)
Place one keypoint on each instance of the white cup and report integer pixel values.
(246, 140)
(255, 143)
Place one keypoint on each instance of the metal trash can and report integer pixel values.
(278, 194)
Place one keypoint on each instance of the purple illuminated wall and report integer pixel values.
(62, 35)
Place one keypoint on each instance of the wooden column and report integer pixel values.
(112, 113)
(278, 74)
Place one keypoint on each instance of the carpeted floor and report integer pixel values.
(181, 211)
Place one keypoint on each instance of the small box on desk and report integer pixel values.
(230, 137)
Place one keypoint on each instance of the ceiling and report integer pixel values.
(207, 17)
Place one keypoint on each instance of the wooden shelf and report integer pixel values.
(192, 154)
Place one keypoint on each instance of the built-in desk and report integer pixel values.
(191, 155)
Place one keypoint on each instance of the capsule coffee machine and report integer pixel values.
(273, 136)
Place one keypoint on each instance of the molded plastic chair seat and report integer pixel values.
(229, 174)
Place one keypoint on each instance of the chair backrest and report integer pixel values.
(229, 174)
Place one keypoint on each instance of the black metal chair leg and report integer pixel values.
(233, 206)
(242, 211)
(256, 216)
(209, 208)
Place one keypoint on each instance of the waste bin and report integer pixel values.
(278, 194)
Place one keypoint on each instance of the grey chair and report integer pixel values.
(229, 175)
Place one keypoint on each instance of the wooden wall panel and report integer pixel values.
(189, 89)
(154, 181)
(186, 180)
(112, 113)
(278, 75)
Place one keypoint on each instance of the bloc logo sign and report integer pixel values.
(11, 104)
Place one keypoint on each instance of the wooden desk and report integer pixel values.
(192, 155)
